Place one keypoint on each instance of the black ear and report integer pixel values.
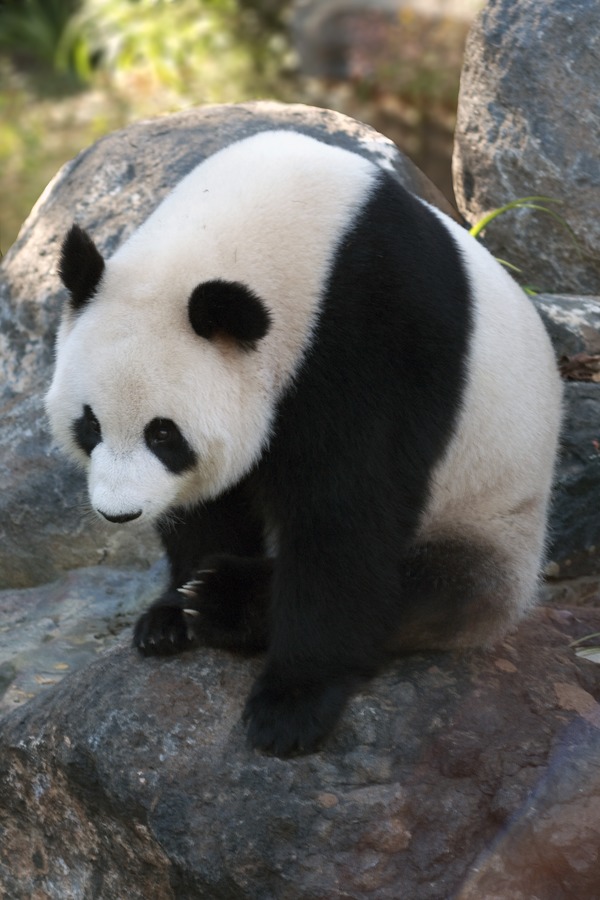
(81, 266)
(228, 308)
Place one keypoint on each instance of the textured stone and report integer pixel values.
(51, 630)
(465, 776)
(529, 123)
(110, 189)
(574, 327)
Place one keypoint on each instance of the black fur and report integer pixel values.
(81, 267)
(344, 481)
(166, 441)
(87, 431)
(220, 543)
(228, 308)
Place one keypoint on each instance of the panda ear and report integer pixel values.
(228, 308)
(80, 267)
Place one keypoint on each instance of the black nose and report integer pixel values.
(124, 517)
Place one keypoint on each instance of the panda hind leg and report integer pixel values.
(457, 593)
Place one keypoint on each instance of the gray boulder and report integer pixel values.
(109, 189)
(449, 776)
(52, 630)
(573, 324)
(529, 123)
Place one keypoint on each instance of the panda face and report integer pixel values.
(162, 438)
(172, 355)
(167, 428)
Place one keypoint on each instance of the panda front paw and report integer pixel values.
(295, 719)
(225, 605)
(228, 600)
(164, 630)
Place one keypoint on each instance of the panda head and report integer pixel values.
(163, 403)
(172, 355)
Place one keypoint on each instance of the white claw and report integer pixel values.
(186, 592)
(191, 612)
(192, 584)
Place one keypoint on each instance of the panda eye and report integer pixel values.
(92, 421)
(166, 441)
(159, 431)
(86, 430)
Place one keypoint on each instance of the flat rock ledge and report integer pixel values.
(471, 777)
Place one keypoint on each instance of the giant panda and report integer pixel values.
(340, 412)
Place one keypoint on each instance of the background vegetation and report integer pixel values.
(72, 70)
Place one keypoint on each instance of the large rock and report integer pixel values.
(529, 123)
(450, 776)
(51, 630)
(110, 189)
(573, 324)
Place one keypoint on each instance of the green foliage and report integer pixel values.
(592, 652)
(198, 46)
(128, 59)
(535, 203)
(40, 32)
(187, 45)
(522, 203)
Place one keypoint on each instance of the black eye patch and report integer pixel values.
(86, 430)
(165, 440)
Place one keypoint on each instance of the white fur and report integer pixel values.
(494, 483)
(269, 212)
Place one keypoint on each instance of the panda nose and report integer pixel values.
(124, 517)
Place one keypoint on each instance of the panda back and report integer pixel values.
(502, 452)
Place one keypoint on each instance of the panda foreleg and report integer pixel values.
(332, 608)
(192, 537)
(227, 604)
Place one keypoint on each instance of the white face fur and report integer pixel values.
(266, 213)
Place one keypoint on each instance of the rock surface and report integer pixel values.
(468, 777)
(110, 189)
(49, 631)
(529, 123)
(574, 327)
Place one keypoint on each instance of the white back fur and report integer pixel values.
(494, 483)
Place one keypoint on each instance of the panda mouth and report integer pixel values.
(122, 518)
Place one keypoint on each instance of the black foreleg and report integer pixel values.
(202, 545)
(332, 610)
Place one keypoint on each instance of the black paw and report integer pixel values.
(292, 720)
(163, 631)
(227, 601)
